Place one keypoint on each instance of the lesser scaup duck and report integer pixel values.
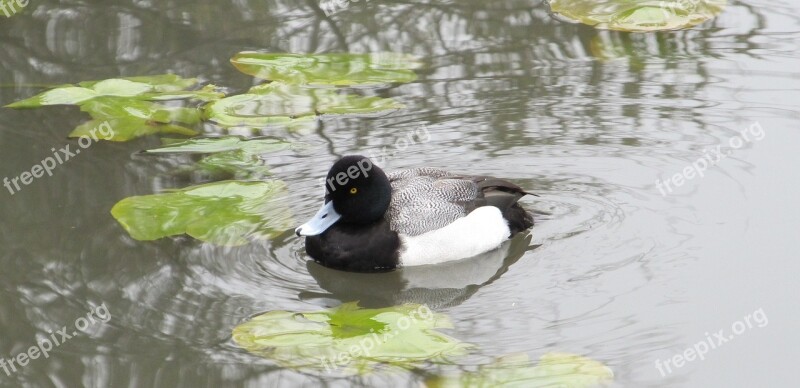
(373, 222)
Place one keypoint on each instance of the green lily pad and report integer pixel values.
(553, 370)
(638, 15)
(130, 119)
(230, 154)
(235, 164)
(279, 103)
(328, 69)
(157, 83)
(350, 339)
(127, 128)
(222, 213)
(222, 144)
(111, 108)
(158, 87)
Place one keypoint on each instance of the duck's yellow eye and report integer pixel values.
(353, 190)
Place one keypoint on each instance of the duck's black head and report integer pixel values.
(357, 192)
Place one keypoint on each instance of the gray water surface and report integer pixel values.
(616, 269)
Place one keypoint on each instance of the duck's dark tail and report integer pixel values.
(504, 195)
(518, 218)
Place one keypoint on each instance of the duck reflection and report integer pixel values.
(437, 286)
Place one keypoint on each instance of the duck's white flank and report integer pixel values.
(480, 231)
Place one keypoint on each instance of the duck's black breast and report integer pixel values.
(360, 248)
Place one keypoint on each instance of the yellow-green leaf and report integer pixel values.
(222, 213)
(223, 144)
(235, 155)
(638, 15)
(328, 69)
(349, 339)
(277, 103)
(127, 128)
(158, 87)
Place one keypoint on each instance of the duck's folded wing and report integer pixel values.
(427, 199)
(401, 177)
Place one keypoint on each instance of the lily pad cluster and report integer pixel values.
(224, 213)
(303, 87)
(235, 156)
(637, 15)
(132, 106)
(329, 69)
(298, 88)
(350, 340)
(279, 103)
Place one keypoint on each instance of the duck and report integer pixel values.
(371, 221)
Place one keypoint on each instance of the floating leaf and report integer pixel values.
(223, 213)
(294, 100)
(156, 83)
(281, 103)
(125, 129)
(638, 15)
(130, 119)
(350, 321)
(354, 339)
(158, 87)
(554, 370)
(111, 108)
(68, 95)
(224, 143)
(118, 87)
(249, 110)
(232, 154)
(328, 69)
(238, 164)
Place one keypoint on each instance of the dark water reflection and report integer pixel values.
(588, 119)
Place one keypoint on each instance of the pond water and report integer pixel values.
(641, 249)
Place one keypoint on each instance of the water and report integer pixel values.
(590, 120)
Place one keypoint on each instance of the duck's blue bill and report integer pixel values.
(325, 217)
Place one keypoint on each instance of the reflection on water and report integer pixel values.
(588, 119)
(436, 286)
